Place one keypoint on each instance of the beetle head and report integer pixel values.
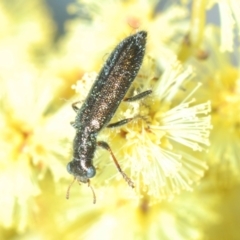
(82, 174)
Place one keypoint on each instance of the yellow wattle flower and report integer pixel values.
(158, 147)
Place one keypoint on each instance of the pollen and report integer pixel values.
(163, 144)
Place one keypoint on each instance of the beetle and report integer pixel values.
(107, 92)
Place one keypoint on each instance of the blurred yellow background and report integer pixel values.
(183, 154)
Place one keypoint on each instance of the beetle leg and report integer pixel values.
(130, 99)
(119, 123)
(75, 108)
(138, 96)
(126, 178)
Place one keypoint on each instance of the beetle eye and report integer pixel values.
(91, 171)
(69, 168)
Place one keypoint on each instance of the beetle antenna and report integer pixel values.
(94, 195)
(68, 190)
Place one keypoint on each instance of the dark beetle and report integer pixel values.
(103, 99)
